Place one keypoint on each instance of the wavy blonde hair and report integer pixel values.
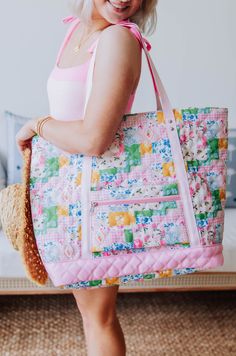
(145, 17)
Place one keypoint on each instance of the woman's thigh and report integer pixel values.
(98, 303)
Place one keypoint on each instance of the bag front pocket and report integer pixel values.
(127, 224)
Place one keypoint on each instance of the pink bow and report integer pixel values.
(69, 19)
(135, 29)
(147, 43)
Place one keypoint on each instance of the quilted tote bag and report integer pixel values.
(152, 202)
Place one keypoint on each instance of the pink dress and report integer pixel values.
(66, 96)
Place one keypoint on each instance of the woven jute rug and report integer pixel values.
(165, 324)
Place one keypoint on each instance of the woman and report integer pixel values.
(115, 79)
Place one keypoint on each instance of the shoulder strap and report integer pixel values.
(146, 45)
(136, 31)
(74, 21)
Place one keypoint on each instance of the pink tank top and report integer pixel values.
(66, 86)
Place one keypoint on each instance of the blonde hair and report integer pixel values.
(145, 17)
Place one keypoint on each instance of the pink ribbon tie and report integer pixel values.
(68, 19)
(147, 43)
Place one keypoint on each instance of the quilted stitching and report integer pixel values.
(137, 164)
(162, 259)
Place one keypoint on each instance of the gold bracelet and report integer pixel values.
(40, 124)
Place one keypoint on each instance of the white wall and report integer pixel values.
(194, 49)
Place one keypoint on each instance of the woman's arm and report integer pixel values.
(70, 136)
(116, 74)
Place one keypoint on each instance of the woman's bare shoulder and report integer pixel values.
(119, 48)
(121, 38)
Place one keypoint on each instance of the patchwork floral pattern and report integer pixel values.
(137, 166)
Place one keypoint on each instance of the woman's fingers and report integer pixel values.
(22, 145)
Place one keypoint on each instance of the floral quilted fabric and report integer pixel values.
(143, 168)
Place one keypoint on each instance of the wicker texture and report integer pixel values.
(17, 225)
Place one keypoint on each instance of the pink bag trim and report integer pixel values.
(200, 257)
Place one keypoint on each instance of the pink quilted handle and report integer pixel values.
(147, 47)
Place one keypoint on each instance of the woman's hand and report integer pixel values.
(24, 135)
